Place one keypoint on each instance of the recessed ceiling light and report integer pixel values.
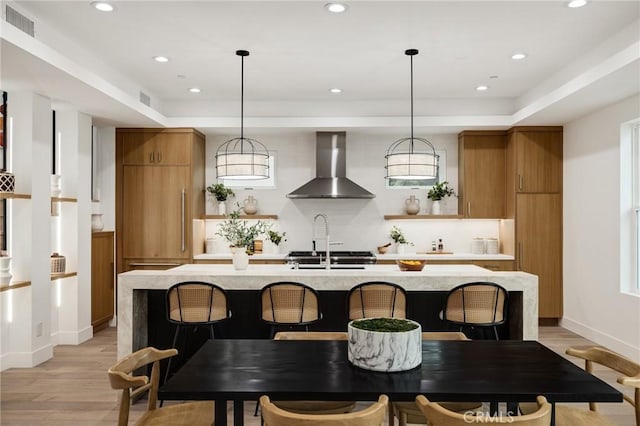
(161, 59)
(335, 90)
(336, 7)
(102, 6)
(518, 56)
(482, 88)
(194, 90)
(576, 3)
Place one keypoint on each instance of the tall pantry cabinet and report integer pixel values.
(534, 200)
(160, 183)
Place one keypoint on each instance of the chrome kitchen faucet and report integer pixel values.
(326, 237)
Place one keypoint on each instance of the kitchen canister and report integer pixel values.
(477, 246)
(493, 246)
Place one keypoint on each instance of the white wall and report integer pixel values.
(594, 306)
(358, 223)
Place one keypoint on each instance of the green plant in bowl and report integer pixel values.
(386, 325)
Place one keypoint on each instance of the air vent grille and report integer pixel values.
(145, 99)
(20, 21)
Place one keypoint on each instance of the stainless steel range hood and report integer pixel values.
(331, 180)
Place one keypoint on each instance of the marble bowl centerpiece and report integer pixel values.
(385, 344)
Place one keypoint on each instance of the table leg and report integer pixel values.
(220, 414)
(553, 414)
(493, 408)
(238, 412)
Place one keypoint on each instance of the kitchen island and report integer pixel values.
(140, 292)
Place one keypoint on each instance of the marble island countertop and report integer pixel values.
(133, 285)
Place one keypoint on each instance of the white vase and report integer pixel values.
(5, 276)
(435, 207)
(222, 208)
(96, 222)
(250, 205)
(240, 259)
(412, 205)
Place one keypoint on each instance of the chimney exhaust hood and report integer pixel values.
(331, 180)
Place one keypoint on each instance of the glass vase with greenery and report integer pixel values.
(397, 236)
(275, 237)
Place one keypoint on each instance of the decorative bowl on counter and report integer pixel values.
(411, 265)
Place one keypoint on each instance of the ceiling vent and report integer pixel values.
(20, 21)
(145, 99)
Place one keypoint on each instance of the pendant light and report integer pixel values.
(242, 158)
(411, 158)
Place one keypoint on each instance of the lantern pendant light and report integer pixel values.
(411, 158)
(242, 158)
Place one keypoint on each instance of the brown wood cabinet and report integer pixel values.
(534, 201)
(481, 174)
(159, 192)
(102, 279)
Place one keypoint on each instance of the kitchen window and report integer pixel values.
(630, 207)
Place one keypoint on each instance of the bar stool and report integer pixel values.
(289, 304)
(477, 305)
(377, 299)
(195, 304)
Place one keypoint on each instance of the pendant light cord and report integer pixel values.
(241, 102)
(411, 56)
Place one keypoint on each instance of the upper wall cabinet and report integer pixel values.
(481, 174)
(537, 158)
(143, 146)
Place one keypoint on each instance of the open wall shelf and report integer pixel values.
(243, 216)
(55, 277)
(16, 284)
(422, 216)
(11, 195)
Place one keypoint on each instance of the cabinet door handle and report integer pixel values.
(468, 208)
(520, 253)
(520, 182)
(151, 157)
(159, 157)
(182, 219)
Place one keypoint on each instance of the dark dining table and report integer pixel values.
(240, 370)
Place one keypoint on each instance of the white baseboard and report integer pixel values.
(26, 359)
(601, 338)
(74, 337)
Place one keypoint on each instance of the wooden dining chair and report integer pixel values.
(477, 305)
(630, 370)
(439, 416)
(314, 407)
(195, 304)
(377, 299)
(408, 412)
(121, 377)
(371, 416)
(289, 304)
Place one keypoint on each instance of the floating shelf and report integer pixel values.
(422, 216)
(243, 216)
(55, 277)
(14, 195)
(16, 284)
(64, 200)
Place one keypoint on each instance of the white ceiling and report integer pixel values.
(579, 60)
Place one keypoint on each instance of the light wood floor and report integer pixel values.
(72, 388)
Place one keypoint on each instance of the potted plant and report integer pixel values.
(398, 237)
(385, 344)
(221, 193)
(437, 192)
(240, 235)
(276, 238)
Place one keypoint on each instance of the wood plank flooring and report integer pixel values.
(72, 388)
